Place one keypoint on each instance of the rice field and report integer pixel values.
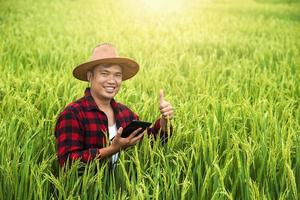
(230, 68)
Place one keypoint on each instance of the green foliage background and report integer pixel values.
(230, 68)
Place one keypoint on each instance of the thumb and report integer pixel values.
(161, 96)
(119, 132)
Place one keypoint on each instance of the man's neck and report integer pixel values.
(102, 103)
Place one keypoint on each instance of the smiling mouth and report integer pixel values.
(110, 89)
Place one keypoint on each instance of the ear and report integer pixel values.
(89, 76)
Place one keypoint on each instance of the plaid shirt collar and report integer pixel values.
(91, 104)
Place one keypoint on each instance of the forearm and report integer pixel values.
(163, 124)
(88, 154)
(107, 152)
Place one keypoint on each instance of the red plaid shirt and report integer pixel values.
(81, 128)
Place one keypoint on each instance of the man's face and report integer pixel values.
(105, 81)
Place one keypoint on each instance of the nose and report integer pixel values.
(111, 79)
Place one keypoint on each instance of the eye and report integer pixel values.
(104, 73)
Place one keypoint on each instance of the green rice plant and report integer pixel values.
(231, 69)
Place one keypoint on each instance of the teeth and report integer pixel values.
(109, 89)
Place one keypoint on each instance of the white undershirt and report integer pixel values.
(112, 133)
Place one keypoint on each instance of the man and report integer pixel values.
(85, 127)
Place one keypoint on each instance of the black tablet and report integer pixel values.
(135, 124)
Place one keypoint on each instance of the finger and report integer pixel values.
(167, 109)
(134, 133)
(137, 138)
(141, 135)
(168, 112)
(161, 97)
(168, 115)
(164, 105)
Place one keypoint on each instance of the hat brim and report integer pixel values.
(129, 67)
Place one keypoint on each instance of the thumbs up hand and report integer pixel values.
(165, 108)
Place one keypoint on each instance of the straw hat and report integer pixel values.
(106, 54)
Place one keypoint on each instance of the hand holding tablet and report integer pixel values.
(135, 124)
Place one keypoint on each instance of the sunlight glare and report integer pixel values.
(164, 5)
